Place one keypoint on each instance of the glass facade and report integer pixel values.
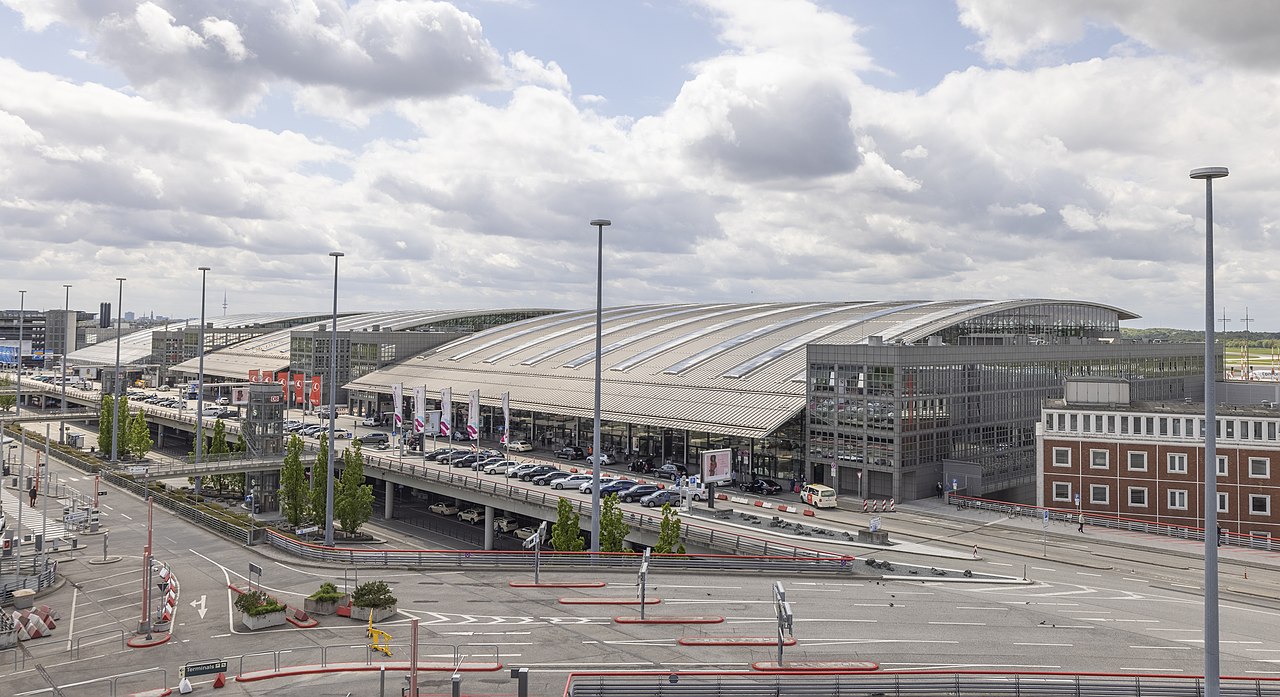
(881, 420)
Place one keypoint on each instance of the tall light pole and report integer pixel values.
(1211, 666)
(204, 272)
(115, 394)
(333, 404)
(66, 315)
(600, 224)
(22, 315)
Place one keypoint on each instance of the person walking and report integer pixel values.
(35, 491)
(1081, 527)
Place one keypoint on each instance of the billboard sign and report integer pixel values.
(239, 395)
(716, 466)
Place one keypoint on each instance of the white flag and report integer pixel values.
(446, 411)
(419, 409)
(397, 400)
(506, 417)
(473, 416)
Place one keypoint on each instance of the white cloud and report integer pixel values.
(1024, 210)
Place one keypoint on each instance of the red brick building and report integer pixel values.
(1145, 460)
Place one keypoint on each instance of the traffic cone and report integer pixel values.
(220, 681)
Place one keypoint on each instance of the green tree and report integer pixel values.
(104, 423)
(219, 445)
(140, 442)
(566, 534)
(7, 402)
(352, 498)
(669, 532)
(319, 470)
(293, 483)
(613, 531)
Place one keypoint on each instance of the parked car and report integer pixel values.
(224, 401)
(484, 462)
(443, 508)
(604, 481)
(671, 470)
(608, 459)
(435, 455)
(572, 452)
(374, 438)
(521, 469)
(341, 434)
(505, 524)
(472, 515)
(526, 532)
(164, 388)
(371, 421)
(499, 467)
(617, 486)
(465, 460)
(550, 477)
(312, 430)
(760, 485)
(528, 475)
(520, 446)
(636, 492)
(573, 481)
(661, 497)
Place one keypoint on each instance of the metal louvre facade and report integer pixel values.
(722, 375)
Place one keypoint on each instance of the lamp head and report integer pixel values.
(202, 268)
(335, 254)
(122, 280)
(601, 222)
(1209, 173)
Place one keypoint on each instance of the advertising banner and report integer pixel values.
(473, 416)
(282, 379)
(315, 390)
(397, 401)
(255, 375)
(239, 395)
(299, 385)
(419, 409)
(716, 466)
(506, 417)
(446, 412)
(433, 421)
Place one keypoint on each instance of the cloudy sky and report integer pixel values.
(745, 150)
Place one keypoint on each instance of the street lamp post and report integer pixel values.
(115, 396)
(1211, 663)
(66, 315)
(333, 404)
(600, 224)
(204, 272)
(22, 315)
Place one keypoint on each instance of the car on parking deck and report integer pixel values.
(636, 492)
(617, 486)
(341, 434)
(505, 524)
(484, 462)
(472, 515)
(464, 460)
(443, 508)
(526, 532)
(573, 481)
(661, 497)
(500, 467)
(549, 477)
(438, 453)
(528, 475)
(520, 446)
(604, 481)
(521, 469)
(375, 438)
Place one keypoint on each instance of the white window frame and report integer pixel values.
(1224, 466)
(1058, 486)
(1056, 452)
(1095, 489)
(1177, 463)
(1224, 502)
(1265, 499)
(1106, 459)
(1134, 468)
(1132, 491)
(1266, 467)
(1177, 499)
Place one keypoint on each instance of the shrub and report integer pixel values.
(254, 603)
(373, 594)
(328, 593)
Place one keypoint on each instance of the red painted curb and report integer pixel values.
(632, 619)
(734, 641)
(320, 670)
(311, 622)
(557, 584)
(608, 601)
(163, 692)
(144, 643)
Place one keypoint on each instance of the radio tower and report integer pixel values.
(224, 303)
(1246, 321)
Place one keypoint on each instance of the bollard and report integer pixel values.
(522, 681)
(457, 685)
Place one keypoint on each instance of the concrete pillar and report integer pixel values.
(159, 435)
(488, 527)
(390, 490)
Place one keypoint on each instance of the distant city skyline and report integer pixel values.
(746, 151)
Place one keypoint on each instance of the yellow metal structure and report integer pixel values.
(381, 640)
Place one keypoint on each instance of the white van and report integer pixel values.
(818, 495)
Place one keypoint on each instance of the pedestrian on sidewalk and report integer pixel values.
(35, 491)
(1081, 528)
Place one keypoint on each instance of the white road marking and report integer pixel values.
(976, 607)
(971, 624)
(1085, 573)
(71, 625)
(1032, 643)
(1164, 648)
(125, 515)
(998, 563)
(1041, 568)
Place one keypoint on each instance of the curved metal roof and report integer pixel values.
(271, 351)
(728, 368)
(136, 346)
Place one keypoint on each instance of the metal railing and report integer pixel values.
(133, 684)
(916, 684)
(336, 654)
(1067, 515)
(43, 574)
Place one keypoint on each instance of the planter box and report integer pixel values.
(271, 619)
(379, 613)
(324, 607)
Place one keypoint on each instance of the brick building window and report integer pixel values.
(1259, 504)
(1177, 464)
(1099, 459)
(1062, 491)
(1138, 496)
(1137, 461)
(1178, 499)
(1260, 467)
(1099, 493)
(1062, 457)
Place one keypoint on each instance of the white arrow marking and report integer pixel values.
(199, 606)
